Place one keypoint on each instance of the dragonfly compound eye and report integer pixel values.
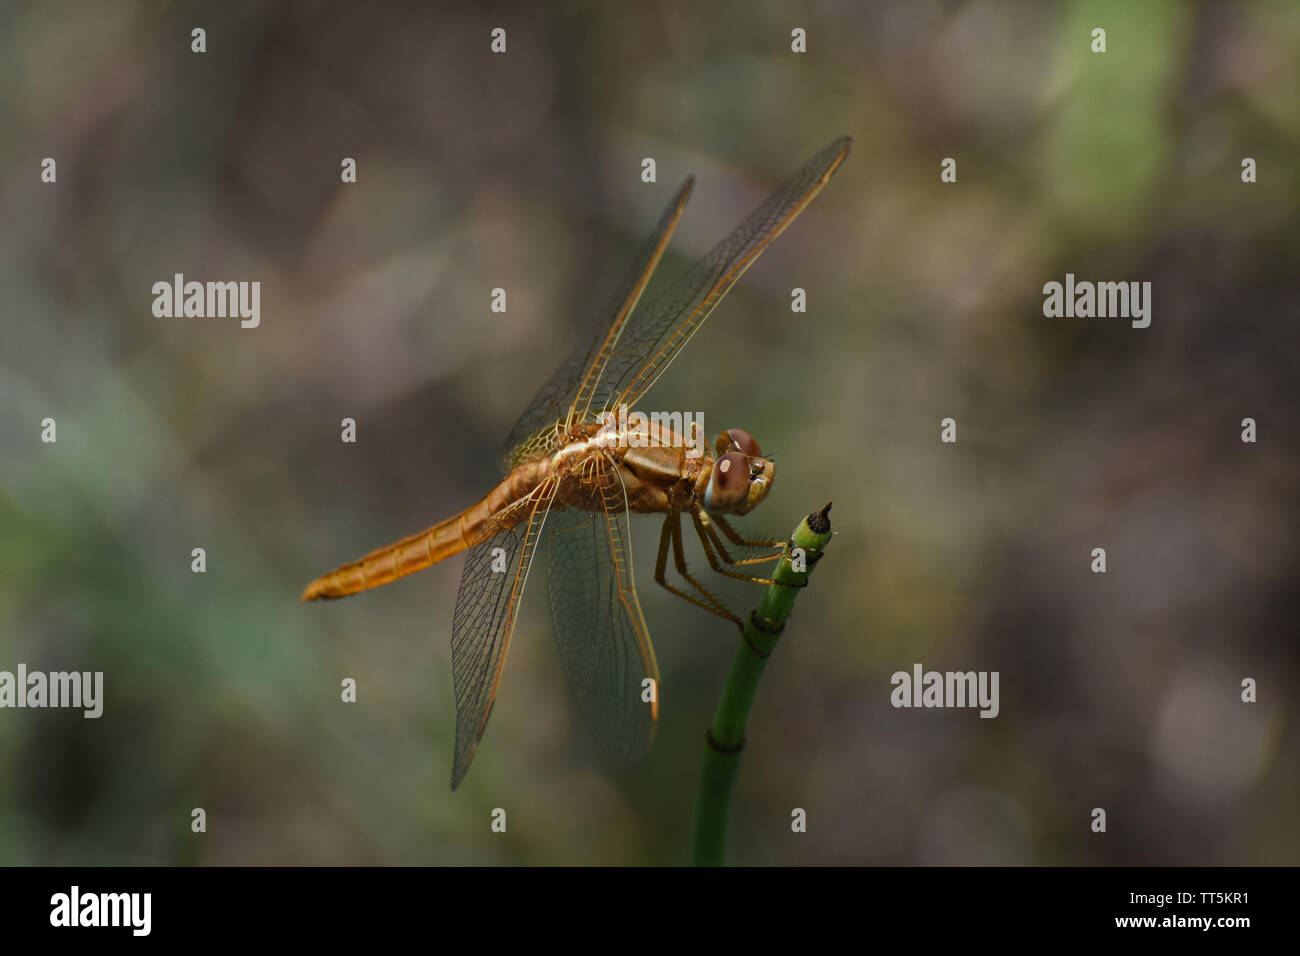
(737, 439)
(728, 484)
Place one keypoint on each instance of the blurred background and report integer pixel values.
(522, 171)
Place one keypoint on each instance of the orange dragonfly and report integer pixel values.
(574, 463)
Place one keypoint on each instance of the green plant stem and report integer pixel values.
(726, 738)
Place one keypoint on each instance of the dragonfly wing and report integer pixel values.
(534, 432)
(654, 337)
(486, 605)
(602, 634)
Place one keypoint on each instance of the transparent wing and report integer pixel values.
(602, 634)
(486, 605)
(534, 432)
(657, 333)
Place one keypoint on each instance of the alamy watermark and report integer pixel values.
(75, 908)
(80, 689)
(946, 689)
(1084, 300)
(208, 300)
(657, 430)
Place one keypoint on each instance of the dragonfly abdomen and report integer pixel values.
(477, 523)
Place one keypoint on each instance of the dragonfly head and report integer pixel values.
(741, 476)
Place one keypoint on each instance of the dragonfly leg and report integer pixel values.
(709, 539)
(671, 536)
(737, 538)
(707, 520)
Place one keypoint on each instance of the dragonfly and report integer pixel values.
(575, 467)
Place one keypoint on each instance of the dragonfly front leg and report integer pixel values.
(708, 521)
(717, 560)
(736, 538)
(671, 536)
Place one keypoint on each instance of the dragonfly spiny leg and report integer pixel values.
(736, 538)
(670, 536)
(708, 540)
(708, 522)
